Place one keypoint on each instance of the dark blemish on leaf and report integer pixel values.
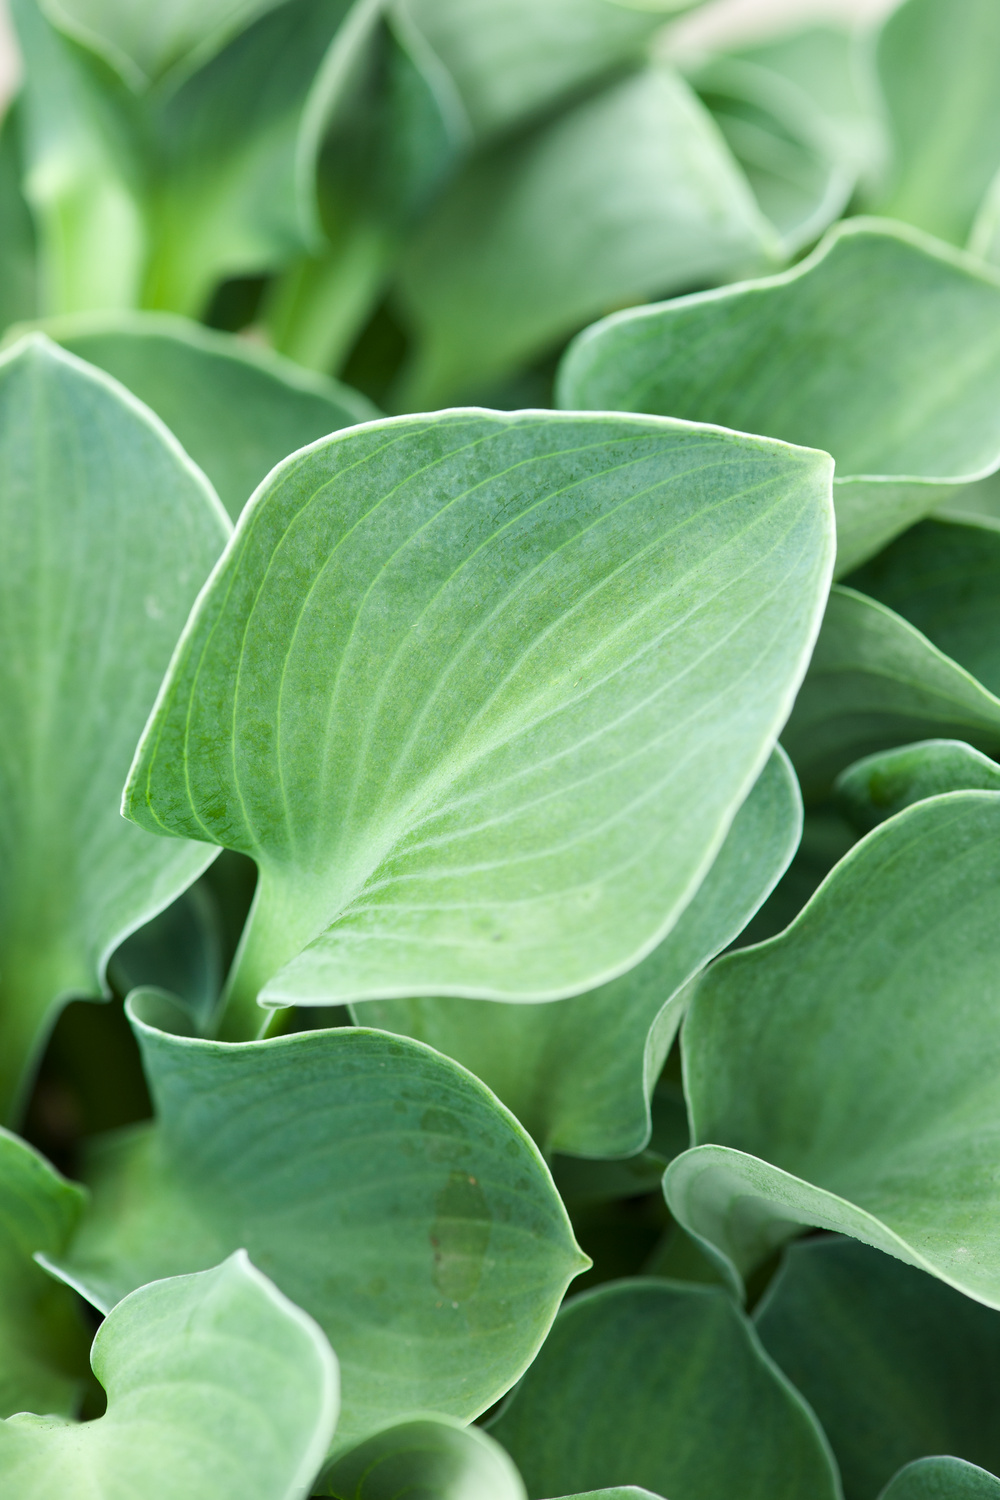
(459, 1237)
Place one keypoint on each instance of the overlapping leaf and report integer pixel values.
(236, 409)
(431, 1458)
(630, 194)
(382, 1187)
(482, 693)
(882, 348)
(579, 1074)
(217, 1385)
(875, 682)
(43, 1343)
(663, 1385)
(110, 532)
(938, 72)
(844, 1071)
(18, 270)
(882, 785)
(894, 1364)
(942, 1479)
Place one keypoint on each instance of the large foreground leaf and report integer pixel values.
(942, 1479)
(894, 1364)
(881, 348)
(667, 1386)
(217, 1385)
(579, 1073)
(874, 682)
(630, 194)
(482, 693)
(236, 409)
(383, 1187)
(109, 532)
(432, 1459)
(846, 1068)
(42, 1339)
(939, 75)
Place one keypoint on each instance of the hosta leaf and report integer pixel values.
(793, 161)
(217, 1385)
(618, 1492)
(145, 42)
(430, 1458)
(875, 682)
(238, 143)
(942, 1479)
(18, 251)
(180, 951)
(631, 193)
(881, 785)
(510, 61)
(383, 1187)
(939, 75)
(894, 1364)
(236, 409)
(579, 1074)
(846, 1068)
(481, 693)
(43, 1345)
(667, 1386)
(880, 348)
(944, 577)
(84, 171)
(109, 533)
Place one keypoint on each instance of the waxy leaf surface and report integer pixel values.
(944, 577)
(632, 193)
(874, 682)
(383, 1187)
(882, 348)
(110, 531)
(482, 693)
(667, 1386)
(942, 1478)
(882, 785)
(579, 1073)
(844, 1071)
(217, 1385)
(429, 1458)
(895, 1364)
(235, 409)
(43, 1344)
(939, 75)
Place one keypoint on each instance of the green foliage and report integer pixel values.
(526, 846)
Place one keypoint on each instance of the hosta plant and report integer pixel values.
(499, 904)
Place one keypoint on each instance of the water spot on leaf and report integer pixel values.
(459, 1237)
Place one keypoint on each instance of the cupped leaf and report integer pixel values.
(881, 347)
(512, 60)
(631, 193)
(663, 1385)
(237, 410)
(180, 951)
(942, 1478)
(217, 1385)
(579, 1074)
(430, 1458)
(84, 171)
(237, 147)
(944, 577)
(109, 532)
(146, 42)
(895, 1364)
(882, 785)
(481, 693)
(874, 682)
(384, 1188)
(938, 72)
(43, 1344)
(845, 1070)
